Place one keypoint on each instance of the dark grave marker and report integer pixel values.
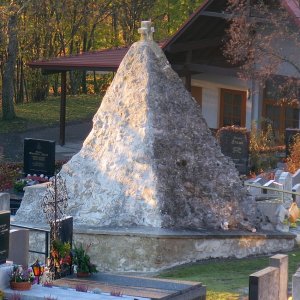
(290, 134)
(64, 234)
(65, 230)
(39, 157)
(4, 235)
(234, 143)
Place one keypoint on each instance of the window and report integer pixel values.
(233, 108)
(197, 94)
(281, 115)
(280, 104)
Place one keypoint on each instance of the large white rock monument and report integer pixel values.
(150, 158)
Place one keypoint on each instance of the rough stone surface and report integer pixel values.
(30, 209)
(151, 159)
(127, 252)
(125, 249)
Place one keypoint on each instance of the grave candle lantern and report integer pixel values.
(38, 270)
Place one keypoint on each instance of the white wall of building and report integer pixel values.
(211, 90)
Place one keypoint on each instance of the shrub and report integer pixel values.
(293, 161)
(9, 173)
(262, 148)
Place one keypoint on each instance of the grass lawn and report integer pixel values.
(32, 115)
(227, 279)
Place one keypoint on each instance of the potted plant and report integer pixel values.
(1, 295)
(82, 262)
(21, 279)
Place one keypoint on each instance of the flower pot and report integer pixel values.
(83, 274)
(20, 286)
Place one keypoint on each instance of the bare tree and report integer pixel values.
(263, 40)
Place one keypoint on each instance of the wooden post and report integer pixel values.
(188, 81)
(188, 75)
(63, 108)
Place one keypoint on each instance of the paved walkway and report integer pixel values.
(11, 145)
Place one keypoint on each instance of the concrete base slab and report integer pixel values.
(38, 292)
(125, 249)
(136, 286)
(5, 271)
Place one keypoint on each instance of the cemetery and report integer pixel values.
(151, 189)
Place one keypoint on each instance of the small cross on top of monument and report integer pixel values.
(146, 31)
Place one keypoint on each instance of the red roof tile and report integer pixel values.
(106, 60)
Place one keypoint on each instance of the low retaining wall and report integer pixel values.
(152, 249)
(147, 250)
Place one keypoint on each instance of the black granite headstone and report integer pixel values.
(65, 230)
(290, 134)
(4, 235)
(235, 144)
(39, 157)
(64, 235)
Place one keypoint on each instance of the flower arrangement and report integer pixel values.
(9, 172)
(61, 253)
(28, 181)
(81, 288)
(82, 260)
(18, 274)
(116, 293)
(37, 178)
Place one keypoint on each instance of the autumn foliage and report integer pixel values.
(293, 161)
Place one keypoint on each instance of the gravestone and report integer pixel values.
(254, 190)
(4, 235)
(64, 235)
(65, 230)
(296, 285)
(290, 134)
(296, 189)
(19, 239)
(296, 177)
(280, 261)
(235, 144)
(4, 201)
(277, 175)
(286, 180)
(264, 284)
(274, 185)
(39, 157)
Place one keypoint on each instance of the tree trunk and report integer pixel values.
(8, 111)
